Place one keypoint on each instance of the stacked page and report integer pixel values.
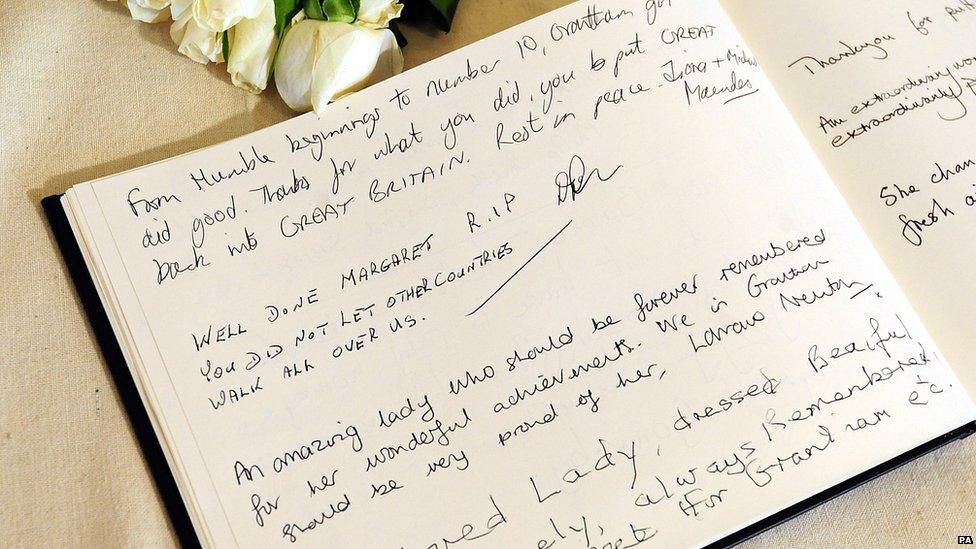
(584, 282)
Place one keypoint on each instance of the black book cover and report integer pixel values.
(165, 483)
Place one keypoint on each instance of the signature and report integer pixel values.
(572, 181)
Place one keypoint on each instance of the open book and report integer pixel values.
(633, 272)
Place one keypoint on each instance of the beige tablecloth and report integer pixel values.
(86, 92)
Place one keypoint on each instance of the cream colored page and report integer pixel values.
(886, 94)
(561, 288)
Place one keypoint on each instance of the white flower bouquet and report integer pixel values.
(315, 50)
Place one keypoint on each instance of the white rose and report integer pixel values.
(192, 40)
(322, 61)
(220, 15)
(149, 11)
(252, 47)
(377, 14)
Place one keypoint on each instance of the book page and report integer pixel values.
(582, 284)
(886, 94)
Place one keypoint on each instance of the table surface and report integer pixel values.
(86, 92)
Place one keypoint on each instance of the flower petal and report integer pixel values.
(194, 41)
(148, 11)
(178, 8)
(377, 14)
(352, 62)
(220, 15)
(321, 61)
(253, 44)
(296, 60)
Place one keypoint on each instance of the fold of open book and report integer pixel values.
(584, 281)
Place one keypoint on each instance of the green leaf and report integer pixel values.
(343, 11)
(285, 10)
(313, 10)
(439, 12)
(446, 9)
(226, 46)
